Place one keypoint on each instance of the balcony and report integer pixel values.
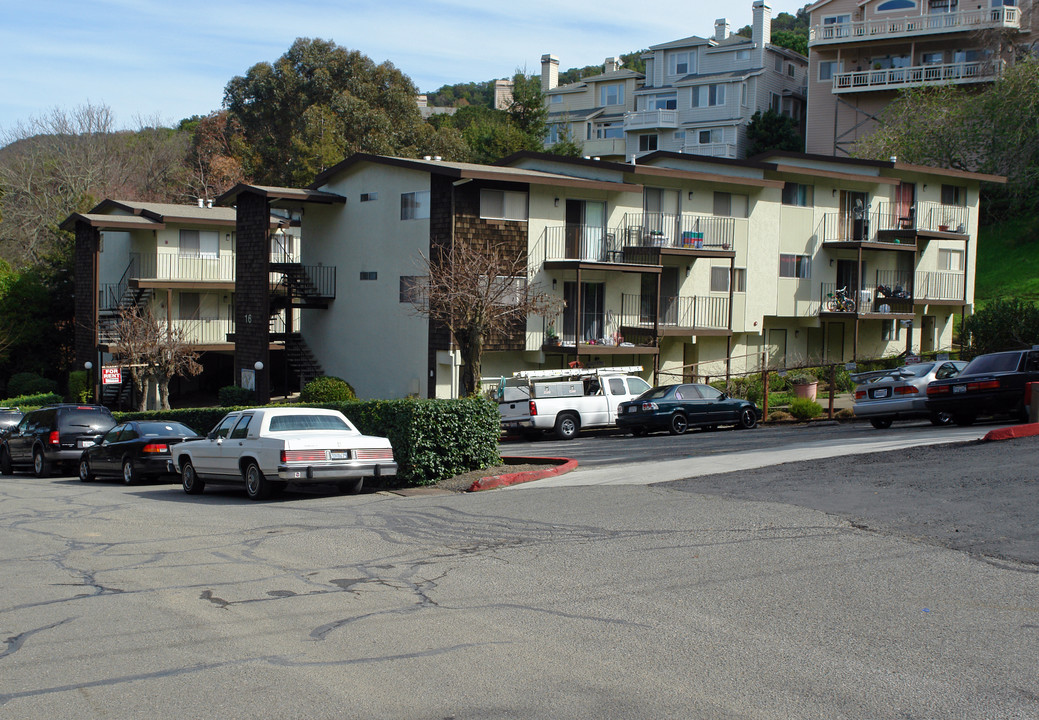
(598, 333)
(204, 331)
(914, 27)
(603, 147)
(688, 232)
(722, 150)
(650, 120)
(940, 288)
(917, 76)
(182, 268)
(702, 315)
(924, 216)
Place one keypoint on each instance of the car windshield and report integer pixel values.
(999, 362)
(289, 423)
(164, 429)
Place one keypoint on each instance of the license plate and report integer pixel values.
(338, 455)
(959, 388)
(882, 393)
(86, 443)
(632, 409)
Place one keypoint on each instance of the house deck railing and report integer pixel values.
(701, 311)
(923, 24)
(916, 76)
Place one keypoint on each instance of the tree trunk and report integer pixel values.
(470, 347)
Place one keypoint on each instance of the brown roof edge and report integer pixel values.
(279, 193)
(382, 160)
(950, 172)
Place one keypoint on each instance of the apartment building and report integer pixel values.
(864, 52)
(180, 262)
(697, 95)
(691, 266)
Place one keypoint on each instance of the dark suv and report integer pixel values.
(53, 435)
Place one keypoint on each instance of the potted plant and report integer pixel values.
(550, 336)
(805, 385)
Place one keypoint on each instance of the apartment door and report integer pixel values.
(777, 348)
(927, 338)
(669, 296)
(846, 276)
(660, 211)
(854, 215)
(690, 372)
(905, 199)
(648, 299)
(835, 342)
(591, 322)
(585, 227)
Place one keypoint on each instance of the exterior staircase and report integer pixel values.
(302, 360)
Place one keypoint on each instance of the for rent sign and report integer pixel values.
(112, 376)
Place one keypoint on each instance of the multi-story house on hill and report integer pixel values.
(863, 52)
(690, 266)
(697, 95)
(700, 93)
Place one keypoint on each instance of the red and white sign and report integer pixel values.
(112, 376)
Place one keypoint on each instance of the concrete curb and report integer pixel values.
(1012, 432)
(562, 465)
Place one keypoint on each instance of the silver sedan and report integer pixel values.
(889, 395)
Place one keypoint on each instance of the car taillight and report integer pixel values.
(533, 408)
(156, 448)
(938, 389)
(907, 390)
(984, 385)
(860, 394)
(303, 456)
(647, 406)
(53, 438)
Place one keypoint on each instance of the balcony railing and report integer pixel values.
(938, 286)
(722, 150)
(924, 215)
(650, 119)
(904, 27)
(582, 242)
(171, 266)
(706, 232)
(603, 146)
(698, 312)
(895, 78)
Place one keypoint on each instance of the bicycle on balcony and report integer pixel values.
(840, 301)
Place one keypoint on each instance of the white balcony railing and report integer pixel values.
(650, 119)
(913, 26)
(916, 76)
(203, 331)
(172, 266)
(601, 147)
(722, 150)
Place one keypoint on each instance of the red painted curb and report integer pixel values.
(1012, 432)
(564, 465)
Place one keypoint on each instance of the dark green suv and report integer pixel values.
(52, 436)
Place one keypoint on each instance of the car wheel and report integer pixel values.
(881, 423)
(964, 419)
(350, 487)
(40, 466)
(6, 468)
(941, 418)
(748, 419)
(129, 473)
(85, 474)
(189, 479)
(567, 426)
(679, 424)
(256, 485)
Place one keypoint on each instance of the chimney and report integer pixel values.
(502, 94)
(201, 202)
(612, 65)
(549, 72)
(761, 28)
(721, 29)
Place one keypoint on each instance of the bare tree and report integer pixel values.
(153, 351)
(479, 292)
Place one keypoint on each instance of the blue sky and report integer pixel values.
(165, 60)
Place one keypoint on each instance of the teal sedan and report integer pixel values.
(676, 408)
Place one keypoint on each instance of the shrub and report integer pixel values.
(231, 395)
(28, 383)
(779, 415)
(802, 378)
(327, 389)
(844, 414)
(805, 409)
(80, 389)
(30, 402)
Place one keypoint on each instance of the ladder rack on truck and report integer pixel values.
(577, 372)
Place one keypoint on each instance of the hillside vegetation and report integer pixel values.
(1008, 261)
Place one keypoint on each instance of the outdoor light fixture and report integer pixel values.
(258, 365)
(557, 202)
(690, 194)
(88, 366)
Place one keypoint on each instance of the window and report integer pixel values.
(775, 102)
(242, 428)
(413, 289)
(296, 423)
(681, 63)
(555, 99)
(932, 58)
(709, 137)
(369, 275)
(708, 95)
(680, 136)
(742, 55)
(779, 63)
(612, 94)
(224, 427)
(743, 94)
(188, 306)
(189, 245)
(896, 5)
(950, 260)
(954, 195)
(795, 266)
(943, 6)
(730, 205)
(739, 278)
(414, 205)
(369, 197)
(606, 130)
(790, 69)
(503, 205)
(798, 195)
(720, 279)
(828, 69)
(647, 143)
(553, 135)
(509, 291)
(890, 330)
(666, 101)
(833, 26)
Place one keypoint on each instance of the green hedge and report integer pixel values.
(31, 402)
(432, 439)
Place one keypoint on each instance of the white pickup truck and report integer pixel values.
(565, 401)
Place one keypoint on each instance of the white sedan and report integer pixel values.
(267, 448)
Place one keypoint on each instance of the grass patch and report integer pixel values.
(1008, 261)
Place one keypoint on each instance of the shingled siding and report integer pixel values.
(252, 290)
(85, 303)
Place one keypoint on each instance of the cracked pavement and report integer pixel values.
(612, 602)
